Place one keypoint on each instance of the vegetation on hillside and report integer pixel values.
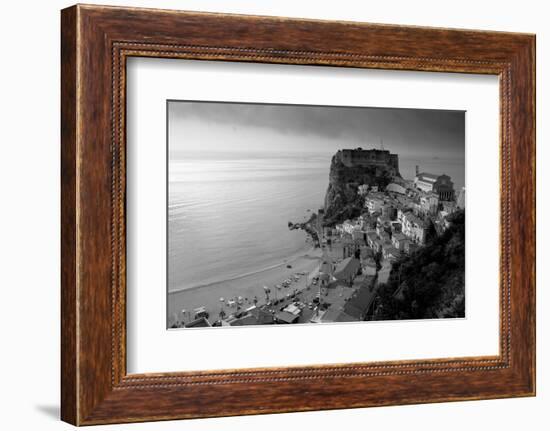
(430, 282)
(342, 212)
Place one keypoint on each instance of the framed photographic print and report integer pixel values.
(331, 214)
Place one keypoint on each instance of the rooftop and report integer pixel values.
(247, 319)
(286, 317)
(396, 188)
(347, 268)
(414, 219)
(359, 302)
(201, 322)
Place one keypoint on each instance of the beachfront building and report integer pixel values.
(384, 236)
(263, 317)
(439, 184)
(387, 247)
(339, 229)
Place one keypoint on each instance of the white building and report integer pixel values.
(373, 204)
(439, 184)
(414, 228)
(401, 212)
(429, 203)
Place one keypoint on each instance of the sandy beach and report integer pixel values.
(247, 287)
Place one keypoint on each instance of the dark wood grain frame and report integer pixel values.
(95, 44)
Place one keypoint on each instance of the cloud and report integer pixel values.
(405, 130)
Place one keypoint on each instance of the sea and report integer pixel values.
(228, 214)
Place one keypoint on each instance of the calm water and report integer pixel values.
(228, 215)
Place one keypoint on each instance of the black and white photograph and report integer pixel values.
(297, 214)
(275, 215)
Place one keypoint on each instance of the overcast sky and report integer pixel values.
(239, 127)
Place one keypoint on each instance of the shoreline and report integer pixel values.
(247, 286)
(302, 254)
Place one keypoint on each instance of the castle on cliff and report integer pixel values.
(351, 168)
(360, 158)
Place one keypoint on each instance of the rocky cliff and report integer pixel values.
(348, 170)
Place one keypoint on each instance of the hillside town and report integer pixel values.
(396, 218)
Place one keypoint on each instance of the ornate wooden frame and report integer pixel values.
(95, 43)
